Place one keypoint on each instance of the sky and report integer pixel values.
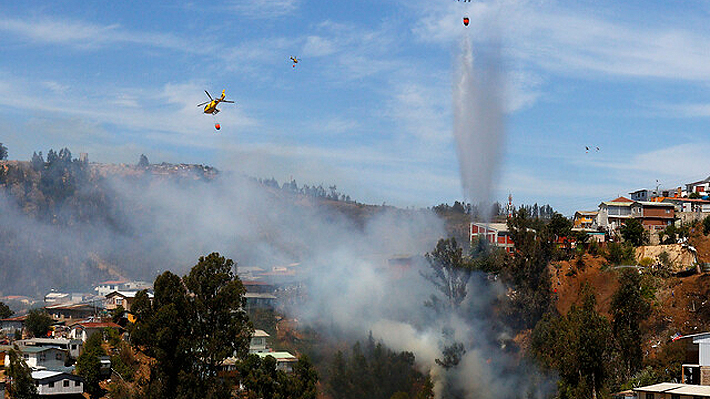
(369, 107)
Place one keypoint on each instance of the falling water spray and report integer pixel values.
(479, 128)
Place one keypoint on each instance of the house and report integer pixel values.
(258, 342)
(121, 298)
(284, 360)
(41, 357)
(68, 312)
(12, 324)
(668, 390)
(258, 287)
(613, 214)
(73, 346)
(657, 215)
(701, 187)
(83, 330)
(585, 220)
(107, 287)
(259, 301)
(643, 195)
(57, 383)
(496, 234)
(688, 205)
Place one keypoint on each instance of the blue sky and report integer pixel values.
(369, 106)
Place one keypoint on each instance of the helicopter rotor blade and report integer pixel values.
(208, 95)
(228, 101)
(206, 102)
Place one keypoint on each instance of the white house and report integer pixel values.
(671, 390)
(106, 287)
(73, 346)
(51, 383)
(258, 342)
(284, 360)
(38, 357)
(83, 330)
(701, 187)
(613, 214)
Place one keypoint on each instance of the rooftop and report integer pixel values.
(677, 389)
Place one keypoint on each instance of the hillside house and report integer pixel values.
(12, 324)
(258, 343)
(613, 214)
(121, 298)
(657, 215)
(255, 300)
(496, 234)
(68, 312)
(40, 357)
(643, 195)
(585, 220)
(284, 360)
(701, 187)
(57, 384)
(83, 330)
(106, 287)
(72, 346)
(668, 390)
(688, 205)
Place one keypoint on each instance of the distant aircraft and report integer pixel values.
(211, 107)
(294, 60)
(465, 21)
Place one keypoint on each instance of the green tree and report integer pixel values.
(620, 254)
(527, 271)
(694, 195)
(304, 379)
(38, 322)
(634, 232)
(22, 385)
(3, 152)
(450, 274)
(221, 327)
(628, 309)
(117, 313)
(88, 365)
(5, 311)
(193, 324)
(578, 346)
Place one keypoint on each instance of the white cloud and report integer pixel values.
(89, 36)
(260, 9)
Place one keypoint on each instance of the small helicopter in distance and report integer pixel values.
(294, 60)
(211, 107)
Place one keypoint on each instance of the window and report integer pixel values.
(51, 385)
(65, 383)
(77, 383)
(649, 396)
(668, 210)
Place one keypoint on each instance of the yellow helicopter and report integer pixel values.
(211, 107)
(294, 60)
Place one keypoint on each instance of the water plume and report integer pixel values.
(479, 125)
